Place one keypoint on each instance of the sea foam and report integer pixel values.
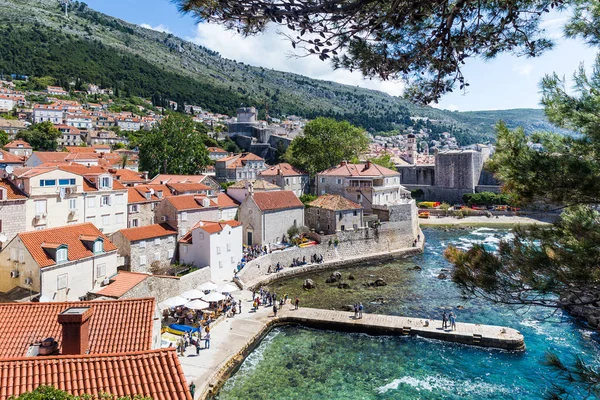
(439, 383)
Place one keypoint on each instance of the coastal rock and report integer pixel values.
(351, 277)
(337, 274)
(308, 284)
(445, 270)
(415, 268)
(334, 277)
(442, 276)
(380, 282)
(343, 285)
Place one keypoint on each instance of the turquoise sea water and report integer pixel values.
(300, 363)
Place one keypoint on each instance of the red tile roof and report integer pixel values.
(12, 192)
(209, 227)
(129, 176)
(148, 232)
(137, 194)
(159, 179)
(284, 169)
(187, 187)
(216, 150)
(10, 158)
(226, 202)
(122, 283)
(189, 202)
(17, 144)
(77, 149)
(334, 202)
(115, 325)
(367, 170)
(277, 200)
(51, 156)
(154, 373)
(257, 184)
(69, 235)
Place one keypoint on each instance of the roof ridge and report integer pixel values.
(165, 350)
(75, 303)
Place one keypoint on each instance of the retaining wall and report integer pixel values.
(162, 287)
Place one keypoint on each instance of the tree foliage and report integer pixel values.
(3, 138)
(384, 160)
(487, 198)
(325, 143)
(42, 137)
(173, 147)
(426, 42)
(51, 393)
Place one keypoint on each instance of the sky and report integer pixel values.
(502, 83)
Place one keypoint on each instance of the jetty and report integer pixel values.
(233, 339)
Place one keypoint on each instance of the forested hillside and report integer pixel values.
(88, 46)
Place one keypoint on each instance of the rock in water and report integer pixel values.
(351, 277)
(343, 285)
(337, 274)
(334, 277)
(348, 307)
(442, 276)
(380, 282)
(308, 284)
(415, 268)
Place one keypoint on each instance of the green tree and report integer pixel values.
(3, 138)
(425, 41)
(173, 147)
(51, 393)
(42, 137)
(384, 160)
(307, 198)
(325, 143)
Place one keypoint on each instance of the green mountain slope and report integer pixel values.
(38, 40)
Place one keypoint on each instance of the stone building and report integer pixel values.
(183, 212)
(163, 179)
(287, 177)
(239, 167)
(147, 248)
(9, 160)
(331, 213)
(214, 244)
(367, 184)
(267, 216)
(216, 153)
(141, 202)
(12, 211)
(61, 264)
(242, 189)
(19, 148)
(452, 174)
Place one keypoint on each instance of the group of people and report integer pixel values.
(449, 319)
(278, 267)
(198, 340)
(358, 310)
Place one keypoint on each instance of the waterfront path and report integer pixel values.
(232, 339)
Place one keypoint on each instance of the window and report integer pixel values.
(40, 206)
(157, 256)
(184, 216)
(355, 213)
(72, 204)
(228, 246)
(343, 228)
(339, 181)
(104, 201)
(142, 260)
(66, 182)
(157, 242)
(322, 180)
(91, 202)
(105, 182)
(48, 182)
(170, 254)
(62, 281)
(98, 246)
(134, 223)
(142, 243)
(21, 255)
(218, 249)
(323, 191)
(133, 208)
(359, 198)
(61, 255)
(287, 181)
(232, 260)
(220, 264)
(13, 254)
(101, 271)
(171, 239)
(119, 199)
(91, 219)
(119, 218)
(185, 250)
(106, 220)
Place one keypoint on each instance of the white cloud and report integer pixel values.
(271, 50)
(159, 28)
(522, 69)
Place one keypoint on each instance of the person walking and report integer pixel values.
(444, 320)
(360, 310)
(207, 340)
(197, 347)
(296, 303)
(240, 307)
(452, 321)
(192, 389)
(274, 310)
(355, 310)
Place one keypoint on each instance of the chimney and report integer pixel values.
(368, 163)
(342, 163)
(75, 323)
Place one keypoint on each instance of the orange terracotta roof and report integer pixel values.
(148, 232)
(159, 179)
(101, 146)
(277, 200)
(82, 169)
(186, 187)
(215, 150)
(51, 156)
(12, 191)
(367, 170)
(188, 202)
(88, 186)
(137, 194)
(226, 202)
(115, 325)
(77, 149)
(208, 227)
(334, 202)
(284, 169)
(69, 235)
(155, 373)
(121, 283)
(17, 144)
(257, 184)
(9, 158)
(129, 176)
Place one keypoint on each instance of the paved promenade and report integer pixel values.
(232, 339)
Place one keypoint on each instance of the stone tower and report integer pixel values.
(411, 149)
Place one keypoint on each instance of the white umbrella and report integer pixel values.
(192, 294)
(173, 302)
(226, 288)
(197, 304)
(207, 286)
(213, 296)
